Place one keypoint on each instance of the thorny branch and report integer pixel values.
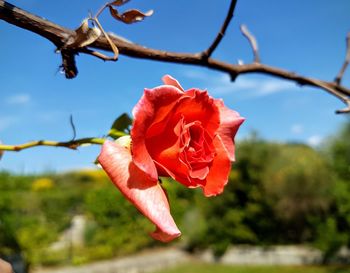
(59, 35)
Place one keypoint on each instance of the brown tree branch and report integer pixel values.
(207, 53)
(58, 35)
(346, 61)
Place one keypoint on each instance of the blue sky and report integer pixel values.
(36, 101)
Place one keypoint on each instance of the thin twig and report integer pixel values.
(94, 53)
(102, 9)
(345, 110)
(73, 127)
(110, 42)
(252, 41)
(73, 144)
(113, 46)
(340, 96)
(346, 61)
(207, 53)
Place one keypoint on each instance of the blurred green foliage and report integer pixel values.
(277, 194)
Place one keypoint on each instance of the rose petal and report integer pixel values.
(197, 106)
(148, 197)
(169, 80)
(229, 123)
(199, 173)
(155, 103)
(219, 171)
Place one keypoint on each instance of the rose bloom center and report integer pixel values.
(187, 151)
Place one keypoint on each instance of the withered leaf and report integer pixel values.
(84, 35)
(114, 13)
(130, 16)
(91, 36)
(118, 2)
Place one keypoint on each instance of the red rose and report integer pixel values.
(186, 135)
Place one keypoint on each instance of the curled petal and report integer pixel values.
(169, 80)
(229, 123)
(146, 195)
(219, 171)
(154, 106)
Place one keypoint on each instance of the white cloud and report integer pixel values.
(18, 99)
(6, 122)
(315, 140)
(252, 87)
(297, 129)
(271, 86)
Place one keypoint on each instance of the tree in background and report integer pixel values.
(277, 194)
(297, 182)
(333, 233)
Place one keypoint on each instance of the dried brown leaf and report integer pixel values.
(91, 36)
(114, 13)
(84, 36)
(130, 16)
(118, 2)
(83, 27)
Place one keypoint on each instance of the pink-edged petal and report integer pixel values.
(148, 197)
(229, 123)
(169, 80)
(154, 105)
(199, 173)
(219, 171)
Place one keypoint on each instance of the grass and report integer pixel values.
(218, 268)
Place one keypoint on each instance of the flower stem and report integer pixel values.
(72, 144)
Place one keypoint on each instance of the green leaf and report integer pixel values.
(120, 126)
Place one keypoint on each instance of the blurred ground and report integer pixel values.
(149, 261)
(170, 260)
(217, 268)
